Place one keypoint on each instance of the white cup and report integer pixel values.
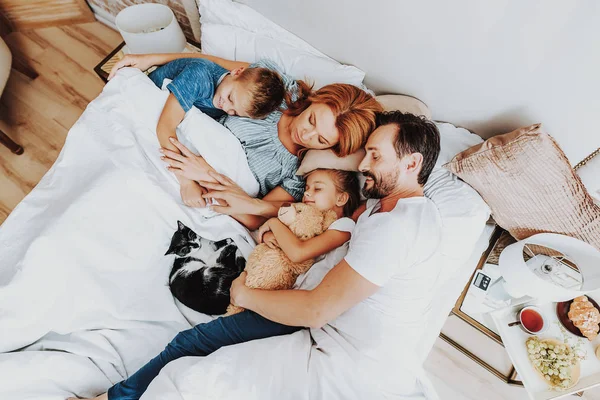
(150, 28)
(524, 326)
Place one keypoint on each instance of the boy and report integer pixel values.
(246, 92)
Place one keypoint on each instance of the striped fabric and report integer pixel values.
(270, 162)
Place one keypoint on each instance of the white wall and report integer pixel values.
(491, 66)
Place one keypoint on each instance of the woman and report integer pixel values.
(337, 117)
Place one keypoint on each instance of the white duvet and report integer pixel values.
(83, 279)
(84, 300)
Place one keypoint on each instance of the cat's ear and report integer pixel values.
(180, 225)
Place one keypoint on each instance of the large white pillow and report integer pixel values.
(237, 32)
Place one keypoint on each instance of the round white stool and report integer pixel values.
(5, 65)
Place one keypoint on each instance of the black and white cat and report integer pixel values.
(203, 270)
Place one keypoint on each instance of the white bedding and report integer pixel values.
(83, 278)
(82, 271)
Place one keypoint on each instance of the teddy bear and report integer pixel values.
(270, 268)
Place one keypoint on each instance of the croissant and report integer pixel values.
(585, 317)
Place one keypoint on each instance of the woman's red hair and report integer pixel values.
(353, 108)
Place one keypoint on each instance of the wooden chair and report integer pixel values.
(6, 63)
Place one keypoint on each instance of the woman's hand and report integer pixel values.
(186, 165)
(231, 197)
(139, 61)
(239, 291)
(270, 241)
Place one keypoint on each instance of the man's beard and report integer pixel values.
(382, 186)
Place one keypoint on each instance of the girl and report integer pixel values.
(327, 190)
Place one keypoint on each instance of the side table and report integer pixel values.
(470, 319)
(103, 68)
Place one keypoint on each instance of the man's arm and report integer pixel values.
(341, 289)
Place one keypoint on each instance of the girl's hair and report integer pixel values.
(353, 108)
(345, 182)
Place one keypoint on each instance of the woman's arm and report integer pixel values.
(145, 61)
(270, 205)
(301, 250)
(235, 202)
(341, 289)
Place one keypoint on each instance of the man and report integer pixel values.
(368, 311)
(376, 299)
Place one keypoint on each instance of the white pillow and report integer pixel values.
(236, 32)
(454, 140)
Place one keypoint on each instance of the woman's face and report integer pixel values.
(315, 128)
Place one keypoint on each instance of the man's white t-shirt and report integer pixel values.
(371, 345)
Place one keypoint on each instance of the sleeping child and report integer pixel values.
(251, 92)
(245, 92)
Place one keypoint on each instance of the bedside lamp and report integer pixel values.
(550, 267)
(150, 28)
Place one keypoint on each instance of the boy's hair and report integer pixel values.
(267, 91)
(345, 182)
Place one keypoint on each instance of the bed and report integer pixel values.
(84, 300)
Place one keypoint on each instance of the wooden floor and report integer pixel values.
(39, 113)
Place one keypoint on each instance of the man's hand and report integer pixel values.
(191, 194)
(139, 61)
(186, 165)
(239, 291)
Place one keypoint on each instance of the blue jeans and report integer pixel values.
(201, 340)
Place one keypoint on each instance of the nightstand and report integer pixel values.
(103, 68)
(478, 323)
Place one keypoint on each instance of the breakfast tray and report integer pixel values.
(514, 339)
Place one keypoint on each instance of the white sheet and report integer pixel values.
(82, 272)
(82, 269)
(319, 364)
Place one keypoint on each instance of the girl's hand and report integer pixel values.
(186, 165)
(264, 228)
(270, 241)
(239, 290)
(140, 61)
(191, 194)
